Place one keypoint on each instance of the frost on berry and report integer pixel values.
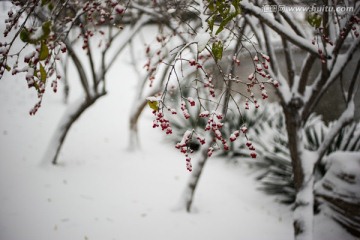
(251, 76)
(244, 129)
(266, 57)
(185, 139)
(210, 151)
(184, 110)
(200, 139)
(162, 122)
(188, 164)
(184, 148)
(234, 135)
(204, 114)
(209, 85)
(119, 9)
(236, 60)
(191, 101)
(259, 67)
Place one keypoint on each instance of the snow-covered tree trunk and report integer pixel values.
(73, 112)
(188, 194)
(303, 166)
(303, 219)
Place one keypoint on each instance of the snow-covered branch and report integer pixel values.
(145, 10)
(319, 87)
(289, 19)
(128, 36)
(282, 30)
(346, 117)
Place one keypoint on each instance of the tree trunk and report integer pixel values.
(303, 165)
(188, 195)
(73, 112)
(137, 109)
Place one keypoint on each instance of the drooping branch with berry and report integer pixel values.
(44, 27)
(199, 78)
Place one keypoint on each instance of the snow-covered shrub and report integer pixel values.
(271, 142)
(338, 192)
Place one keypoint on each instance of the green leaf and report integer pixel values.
(236, 4)
(314, 20)
(44, 51)
(217, 50)
(211, 22)
(25, 35)
(46, 27)
(44, 2)
(8, 68)
(224, 23)
(43, 74)
(211, 6)
(51, 6)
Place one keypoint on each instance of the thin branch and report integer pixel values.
(253, 28)
(354, 84)
(232, 70)
(305, 72)
(288, 56)
(80, 69)
(92, 67)
(270, 50)
(274, 69)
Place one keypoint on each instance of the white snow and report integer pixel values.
(38, 33)
(202, 38)
(152, 99)
(171, 10)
